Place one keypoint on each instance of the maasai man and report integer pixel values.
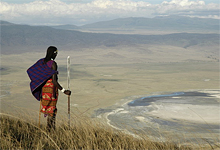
(44, 85)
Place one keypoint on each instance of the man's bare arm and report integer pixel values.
(55, 81)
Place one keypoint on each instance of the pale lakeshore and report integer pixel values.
(194, 121)
(97, 82)
(144, 75)
(188, 112)
(194, 113)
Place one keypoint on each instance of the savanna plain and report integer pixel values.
(100, 78)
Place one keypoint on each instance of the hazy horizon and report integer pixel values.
(56, 12)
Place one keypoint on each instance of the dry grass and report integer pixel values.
(20, 134)
(100, 80)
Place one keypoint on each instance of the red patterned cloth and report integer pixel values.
(49, 98)
(39, 73)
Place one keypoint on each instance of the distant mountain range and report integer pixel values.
(171, 23)
(66, 27)
(16, 38)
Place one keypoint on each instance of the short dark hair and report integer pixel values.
(50, 52)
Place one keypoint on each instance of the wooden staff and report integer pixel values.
(68, 86)
(39, 115)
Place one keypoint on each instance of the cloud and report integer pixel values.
(58, 12)
(186, 7)
(184, 3)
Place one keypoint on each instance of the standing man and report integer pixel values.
(44, 85)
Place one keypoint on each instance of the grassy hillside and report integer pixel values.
(20, 134)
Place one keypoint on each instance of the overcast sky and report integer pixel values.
(79, 12)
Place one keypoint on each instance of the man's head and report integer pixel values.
(51, 53)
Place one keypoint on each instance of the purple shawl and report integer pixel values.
(39, 73)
